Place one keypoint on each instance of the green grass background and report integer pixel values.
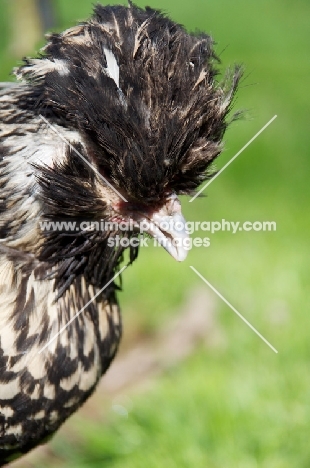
(237, 404)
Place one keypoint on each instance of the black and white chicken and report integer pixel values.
(116, 118)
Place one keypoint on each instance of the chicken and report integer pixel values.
(117, 117)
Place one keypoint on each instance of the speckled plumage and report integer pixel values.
(137, 97)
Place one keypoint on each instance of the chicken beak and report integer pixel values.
(168, 227)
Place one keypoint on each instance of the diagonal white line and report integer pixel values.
(82, 157)
(81, 310)
(233, 309)
(233, 158)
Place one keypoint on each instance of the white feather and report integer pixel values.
(112, 66)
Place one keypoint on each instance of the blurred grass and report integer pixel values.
(237, 404)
